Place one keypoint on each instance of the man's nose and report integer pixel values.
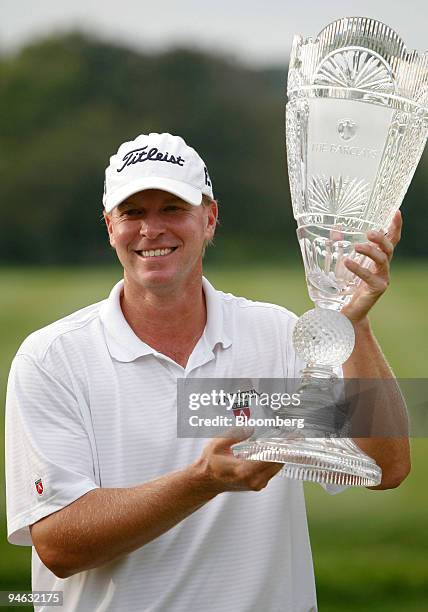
(152, 227)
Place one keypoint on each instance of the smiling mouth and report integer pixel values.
(155, 252)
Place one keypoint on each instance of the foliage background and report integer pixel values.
(66, 103)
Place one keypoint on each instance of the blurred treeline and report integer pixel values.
(66, 103)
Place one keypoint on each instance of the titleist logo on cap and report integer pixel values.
(141, 155)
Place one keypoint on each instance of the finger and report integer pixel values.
(394, 230)
(264, 469)
(382, 241)
(268, 468)
(374, 281)
(232, 436)
(273, 468)
(336, 234)
(380, 258)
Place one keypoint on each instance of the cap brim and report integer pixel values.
(182, 190)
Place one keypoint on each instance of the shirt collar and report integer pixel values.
(217, 328)
(125, 345)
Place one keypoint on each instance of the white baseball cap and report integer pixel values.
(156, 161)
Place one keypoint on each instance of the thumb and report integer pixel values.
(233, 436)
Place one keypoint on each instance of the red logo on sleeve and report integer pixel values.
(39, 486)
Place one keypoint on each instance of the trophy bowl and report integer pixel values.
(356, 127)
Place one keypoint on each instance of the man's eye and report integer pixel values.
(132, 212)
(172, 208)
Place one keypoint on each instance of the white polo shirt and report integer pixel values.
(90, 405)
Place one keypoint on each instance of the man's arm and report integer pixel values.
(391, 454)
(367, 361)
(105, 524)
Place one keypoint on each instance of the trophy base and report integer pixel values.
(324, 460)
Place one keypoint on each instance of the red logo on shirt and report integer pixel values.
(39, 486)
(242, 412)
(241, 407)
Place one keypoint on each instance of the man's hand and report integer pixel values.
(222, 471)
(375, 278)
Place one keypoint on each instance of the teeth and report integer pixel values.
(157, 253)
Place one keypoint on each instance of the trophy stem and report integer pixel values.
(317, 401)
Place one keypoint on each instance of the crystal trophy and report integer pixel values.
(356, 126)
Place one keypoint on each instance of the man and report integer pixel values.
(122, 514)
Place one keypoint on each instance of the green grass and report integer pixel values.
(370, 548)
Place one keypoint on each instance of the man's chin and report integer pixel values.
(155, 280)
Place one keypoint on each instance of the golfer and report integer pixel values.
(121, 514)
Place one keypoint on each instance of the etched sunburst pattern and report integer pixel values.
(338, 196)
(355, 68)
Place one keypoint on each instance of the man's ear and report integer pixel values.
(109, 224)
(212, 218)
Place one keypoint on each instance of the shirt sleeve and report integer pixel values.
(49, 460)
